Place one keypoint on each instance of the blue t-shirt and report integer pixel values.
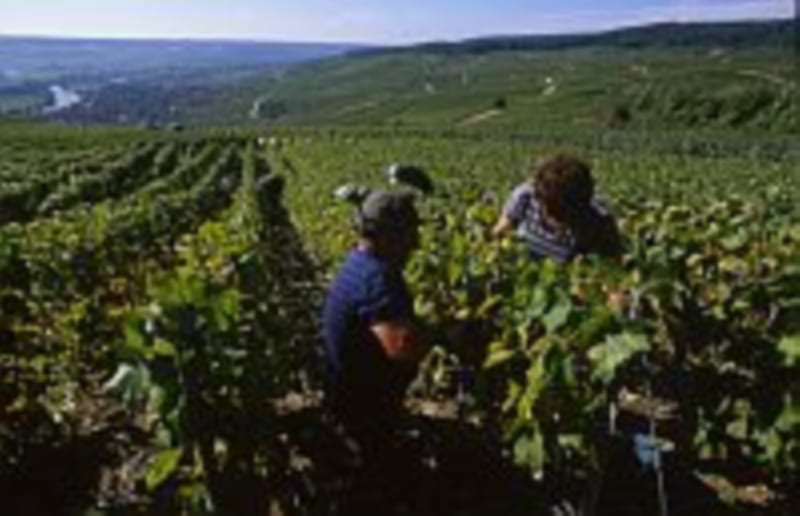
(366, 290)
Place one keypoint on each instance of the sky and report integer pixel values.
(362, 21)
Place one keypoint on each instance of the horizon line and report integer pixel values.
(477, 36)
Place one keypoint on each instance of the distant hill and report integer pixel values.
(671, 76)
(727, 76)
(738, 35)
(25, 56)
(140, 82)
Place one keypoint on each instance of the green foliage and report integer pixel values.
(702, 310)
(80, 288)
(790, 347)
(208, 334)
(528, 89)
(609, 356)
(178, 284)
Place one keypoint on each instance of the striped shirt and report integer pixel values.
(598, 234)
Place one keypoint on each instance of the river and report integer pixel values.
(62, 99)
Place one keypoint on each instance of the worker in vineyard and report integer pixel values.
(372, 341)
(556, 214)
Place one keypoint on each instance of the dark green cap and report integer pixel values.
(385, 210)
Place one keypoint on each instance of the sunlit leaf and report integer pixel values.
(614, 352)
(162, 467)
(790, 347)
(558, 315)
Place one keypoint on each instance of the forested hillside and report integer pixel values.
(678, 77)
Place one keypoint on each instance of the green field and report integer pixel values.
(16, 104)
(166, 285)
(597, 88)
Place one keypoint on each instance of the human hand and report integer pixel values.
(618, 300)
(468, 339)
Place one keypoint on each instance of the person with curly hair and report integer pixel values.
(557, 215)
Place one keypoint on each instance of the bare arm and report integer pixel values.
(502, 226)
(401, 340)
(512, 211)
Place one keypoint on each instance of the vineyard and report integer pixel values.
(160, 292)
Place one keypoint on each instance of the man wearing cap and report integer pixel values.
(372, 341)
